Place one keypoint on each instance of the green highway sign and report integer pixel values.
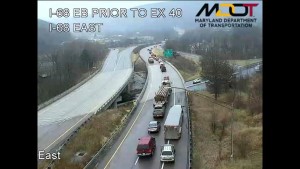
(168, 53)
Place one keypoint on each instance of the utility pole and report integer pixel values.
(232, 112)
(231, 156)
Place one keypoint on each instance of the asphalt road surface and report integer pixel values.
(59, 119)
(195, 87)
(118, 60)
(193, 57)
(122, 154)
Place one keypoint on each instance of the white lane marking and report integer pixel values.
(129, 129)
(168, 141)
(162, 166)
(93, 110)
(174, 96)
(136, 160)
(65, 132)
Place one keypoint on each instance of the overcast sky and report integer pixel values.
(43, 6)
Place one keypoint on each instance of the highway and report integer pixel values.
(59, 119)
(122, 154)
(115, 61)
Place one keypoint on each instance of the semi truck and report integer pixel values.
(160, 101)
(173, 123)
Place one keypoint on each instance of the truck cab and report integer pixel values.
(167, 153)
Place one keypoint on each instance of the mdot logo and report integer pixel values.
(245, 9)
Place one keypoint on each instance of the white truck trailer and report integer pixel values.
(173, 123)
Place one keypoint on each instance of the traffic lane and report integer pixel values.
(105, 158)
(81, 101)
(145, 104)
(154, 161)
(124, 59)
(54, 130)
(126, 156)
(76, 104)
(140, 129)
(127, 151)
(181, 145)
(144, 54)
(110, 62)
(195, 87)
(84, 99)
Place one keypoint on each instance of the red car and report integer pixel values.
(146, 146)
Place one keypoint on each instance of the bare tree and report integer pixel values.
(213, 122)
(66, 62)
(85, 59)
(216, 70)
(255, 95)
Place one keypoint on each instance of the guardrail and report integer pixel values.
(190, 145)
(252, 64)
(89, 116)
(94, 162)
(46, 103)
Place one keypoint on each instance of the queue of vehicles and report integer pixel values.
(172, 130)
(154, 57)
(172, 127)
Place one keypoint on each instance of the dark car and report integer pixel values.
(146, 146)
(163, 68)
(154, 126)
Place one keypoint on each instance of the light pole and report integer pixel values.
(232, 112)
(231, 156)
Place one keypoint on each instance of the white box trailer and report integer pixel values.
(172, 126)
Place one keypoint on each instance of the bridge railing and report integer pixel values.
(76, 128)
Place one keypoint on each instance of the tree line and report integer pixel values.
(236, 43)
(67, 66)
